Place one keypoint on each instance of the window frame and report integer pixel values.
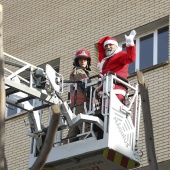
(155, 46)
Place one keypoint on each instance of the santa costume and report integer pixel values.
(118, 62)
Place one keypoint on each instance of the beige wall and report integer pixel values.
(40, 31)
(17, 143)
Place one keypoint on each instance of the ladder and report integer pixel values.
(111, 141)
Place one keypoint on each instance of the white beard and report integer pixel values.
(100, 64)
(109, 53)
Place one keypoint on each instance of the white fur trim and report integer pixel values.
(110, 42)
(118, 50)
(119, 91)
(100, 64)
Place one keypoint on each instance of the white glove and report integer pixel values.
(130, 38)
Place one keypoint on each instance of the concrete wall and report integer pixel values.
(40, 31)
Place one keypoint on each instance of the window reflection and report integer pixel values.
(11, 110)
(146, 51)
(163, 35)
(132, 65)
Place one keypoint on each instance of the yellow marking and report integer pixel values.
(131, 164)
(105, 153)
(118, 158)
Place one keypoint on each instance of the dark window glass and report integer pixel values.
(146, 51)
(11, 110)
(56, 69)
(132, 65)
(163, 34)
(31, 102)
(132, 68)
(124, 47)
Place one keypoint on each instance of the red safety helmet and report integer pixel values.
(82, 53)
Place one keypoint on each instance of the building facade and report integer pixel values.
(50, 31)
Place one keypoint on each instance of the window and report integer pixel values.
(11, 110)
(146, 51)
(163, 34)
(132, 65)
(151, 49)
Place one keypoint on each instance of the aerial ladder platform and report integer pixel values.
(112, 139)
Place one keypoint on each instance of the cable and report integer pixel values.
(59, 96)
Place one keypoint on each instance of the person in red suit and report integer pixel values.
(112, 58)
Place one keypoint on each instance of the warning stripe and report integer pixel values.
(119, 159)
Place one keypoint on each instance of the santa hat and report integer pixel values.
(110, 40)
(104, 41)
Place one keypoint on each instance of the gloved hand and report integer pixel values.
(130, 38)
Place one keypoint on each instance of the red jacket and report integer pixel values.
(119, 62)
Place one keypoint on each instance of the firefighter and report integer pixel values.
(112, 58)
(81, 69)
